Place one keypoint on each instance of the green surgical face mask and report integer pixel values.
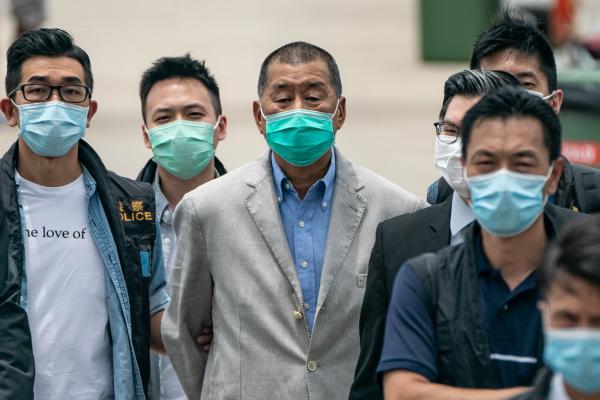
(300, 136)
(183, 148)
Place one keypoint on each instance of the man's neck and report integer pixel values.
(48, 171)
(516, 257)
(175, 188)
(302, 178)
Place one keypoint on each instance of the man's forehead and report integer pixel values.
(511, 134)
(177, 93)
(52, 68)
(311, 73)
(515, 62)
(458, 107)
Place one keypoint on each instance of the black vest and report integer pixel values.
(130, 210)
(451, 285)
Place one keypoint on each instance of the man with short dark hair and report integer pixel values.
(463, 323)
(433, 228)
(514, 45)
(275, 253)
(85, 257)
(570, 288)
(183, 123)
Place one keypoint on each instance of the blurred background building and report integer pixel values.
(394, 56)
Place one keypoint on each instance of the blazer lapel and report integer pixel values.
(262, 205)
(439, 226)
(346, 215)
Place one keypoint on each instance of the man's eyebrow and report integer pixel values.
(450, 122)
(43, 78)
(526, 74)
(317, 84)
(483, 152)
(281, 85)
(526, 153)
(161, 109)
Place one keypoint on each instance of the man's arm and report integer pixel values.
(409, 357)
(371, 327)
(190, 309)
(406, 385)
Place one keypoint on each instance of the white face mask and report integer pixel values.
(447, 160)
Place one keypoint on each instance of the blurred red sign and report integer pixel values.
(582, 152)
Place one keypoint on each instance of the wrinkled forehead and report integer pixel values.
(54, 70)
(282, 75)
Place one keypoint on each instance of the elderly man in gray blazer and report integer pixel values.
(275, 254)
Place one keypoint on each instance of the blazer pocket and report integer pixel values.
(361, 280)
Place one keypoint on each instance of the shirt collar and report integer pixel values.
(328, 180)
(461, 214)
(162, 204)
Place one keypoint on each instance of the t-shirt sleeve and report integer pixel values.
(409, 342)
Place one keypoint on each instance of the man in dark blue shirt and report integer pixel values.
(463, 323)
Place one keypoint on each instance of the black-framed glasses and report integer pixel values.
(37, 92)
(446, 133)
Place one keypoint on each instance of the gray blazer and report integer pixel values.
(234, 268)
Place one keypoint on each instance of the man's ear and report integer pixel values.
(557, 99)
(258, 117)
(220, 131)
(340, 115)
(554, 179)
(91, 111)
(10, 111)
(146, 138)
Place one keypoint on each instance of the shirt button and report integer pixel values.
(167, 240)
(324, 204)
(306, 306)
(505, 307)
(311, 366)
(304, 264)
(287, 186)
(297, 315)
(301, 224)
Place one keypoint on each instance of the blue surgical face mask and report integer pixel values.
(575, 353)
(300, 136)
(507, 203)
(183, 148)
(52, 128)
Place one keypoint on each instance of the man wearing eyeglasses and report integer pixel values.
(514, 45)
(427, 230)
(84, 260)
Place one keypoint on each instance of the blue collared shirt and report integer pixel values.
(126, 373)
(306, 223)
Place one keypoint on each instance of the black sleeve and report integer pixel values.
(371, 327)
(16, 355)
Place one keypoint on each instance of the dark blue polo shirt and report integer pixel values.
(512, 322)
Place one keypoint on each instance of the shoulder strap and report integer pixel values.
(426, 267)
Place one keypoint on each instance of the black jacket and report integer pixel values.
(578, 189)
(397, 240)
(130, 235)
(450, 283)
(148, 173)
(16, 357)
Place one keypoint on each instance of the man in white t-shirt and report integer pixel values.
(183, 123)
(85, 256)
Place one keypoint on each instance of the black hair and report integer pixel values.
(474, 83)
(300, 53)
(179, 68)
(574, 251)
(514, 102)
(510, 32)
(48, 42)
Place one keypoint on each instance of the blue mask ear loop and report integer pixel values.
(548, 175)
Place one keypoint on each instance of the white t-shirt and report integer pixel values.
(66, 294)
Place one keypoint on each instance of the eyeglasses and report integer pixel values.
(446, 133)
(37, 92)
